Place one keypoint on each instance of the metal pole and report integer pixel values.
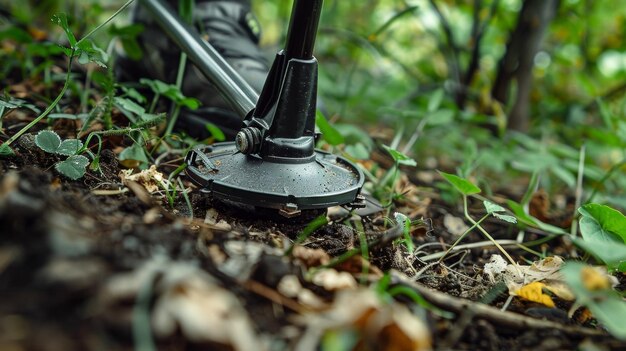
(305, 17)
(228, 82)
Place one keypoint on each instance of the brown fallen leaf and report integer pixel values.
(378, 325)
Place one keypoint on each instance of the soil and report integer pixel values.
(104, 264)
(63, 245)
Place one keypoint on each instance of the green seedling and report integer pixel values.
(173, 93)
(84, 50)
(406, 230)
(467, 188)
(329, 133)
(388, 181)
(75, 166)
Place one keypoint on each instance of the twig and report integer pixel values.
(468, 246)
(492, 314)
(274, 296)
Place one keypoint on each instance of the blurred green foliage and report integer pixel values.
(384, 62)
(387, 66)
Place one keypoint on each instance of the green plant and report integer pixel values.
(467, 188)
(173, 93)
(387, 183)
(75, 165)
(604, 303)
(603, 231)
(405, 222)
(84, 50)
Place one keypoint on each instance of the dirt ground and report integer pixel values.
(101, 264)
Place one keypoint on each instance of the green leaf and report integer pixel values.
(215, 131)
(62, 116)
(505, 217)
(90, 52)
(130, 106)
(600, 222)
(48, 141)
(157, 86)
(522, 216)
(358, 151)
(5, 151)
(133, 93)
(492, 208)
(435, 100)
(329, 133)
(69, 147)
(606, 305)
(441, 117)
(18, 103)
(611, 253)
(128, 37)
(60, 19)
(189, 102)
(74, 167)
(399, 157)
(134, 152)
(461, 184)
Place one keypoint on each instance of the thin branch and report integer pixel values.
(492, 314)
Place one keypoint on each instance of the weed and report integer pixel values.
(84, 50)
(603, 231)
(467, 188)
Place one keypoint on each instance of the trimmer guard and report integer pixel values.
(225, 173)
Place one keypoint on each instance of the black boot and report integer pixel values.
(232, 30)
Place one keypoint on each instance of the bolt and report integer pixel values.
(359, 202)
(248, 140)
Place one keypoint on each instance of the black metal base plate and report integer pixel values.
(227, 174)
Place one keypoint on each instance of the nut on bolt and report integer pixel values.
(248, 140)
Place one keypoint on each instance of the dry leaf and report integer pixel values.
(190, 301)
(496, 266)
(332, 280)
(517, 278)
(311, 257)
(378, 325)
(151, 179)
(534, 292)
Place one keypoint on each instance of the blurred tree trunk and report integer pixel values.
(517, 62)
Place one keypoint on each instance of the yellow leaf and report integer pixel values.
(534, 292)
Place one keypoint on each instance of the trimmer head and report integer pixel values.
(273, 162)
(227, 174)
